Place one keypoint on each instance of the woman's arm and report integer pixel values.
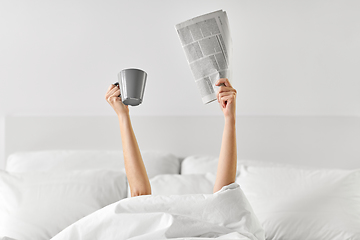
(226, 171)
(134, 165)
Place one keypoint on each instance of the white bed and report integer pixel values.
(43, 192)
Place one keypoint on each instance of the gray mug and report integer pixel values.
(132, 85)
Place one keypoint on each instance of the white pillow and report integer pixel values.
(39, 205)
(294, 203)
(175, 184)
(155, 162)
(200, 164)
(63, 160)
(183, 184)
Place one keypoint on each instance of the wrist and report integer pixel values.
(123, 115)
(230, 120)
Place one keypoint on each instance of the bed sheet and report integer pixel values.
(225, 214)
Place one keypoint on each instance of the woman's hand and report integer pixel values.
(113, 98)
(226, 97)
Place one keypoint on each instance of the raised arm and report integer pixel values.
(134, 165)
(226, 171)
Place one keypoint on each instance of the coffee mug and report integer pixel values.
(132, 85)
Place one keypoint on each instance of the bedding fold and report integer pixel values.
(225, 214)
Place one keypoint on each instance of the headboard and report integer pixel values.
(306, 140)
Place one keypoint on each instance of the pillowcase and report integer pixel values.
(63, 160)
(182, 184)
(156, 162)
(39, 205)
(295, 203)
(200, 164)
(175, 184)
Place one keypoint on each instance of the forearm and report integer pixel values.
(226, 171)
(134, 165)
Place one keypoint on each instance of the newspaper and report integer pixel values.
(207, 44)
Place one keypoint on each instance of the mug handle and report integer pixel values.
(116, 84)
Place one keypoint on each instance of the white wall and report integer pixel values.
(291, 57)
(2, 142)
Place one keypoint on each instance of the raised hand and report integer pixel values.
(113, 97)
(134, 165)
(226, 171)
(226, 97)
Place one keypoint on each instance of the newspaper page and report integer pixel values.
(207, 44)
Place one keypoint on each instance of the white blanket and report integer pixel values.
(225, 214)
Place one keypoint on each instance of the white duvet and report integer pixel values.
(225, 214)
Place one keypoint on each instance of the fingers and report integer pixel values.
(111, 87)
(225, 81)
(225, 98)
(225, 90)
(111, 91)
(112, 95)
(224, 94)
(116, 93)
